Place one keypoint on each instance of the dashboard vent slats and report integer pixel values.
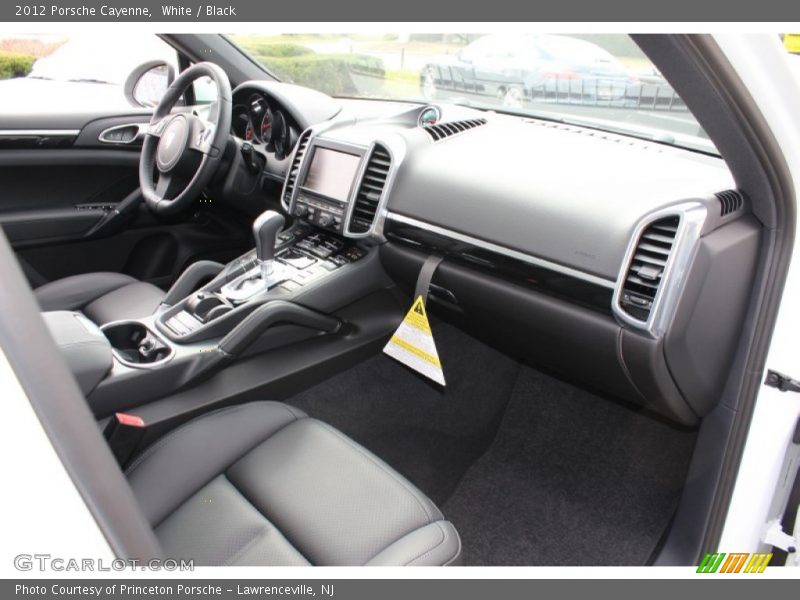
(647, 266)
(729, 202)
(294, 170)
(441, 131)
(370, 190)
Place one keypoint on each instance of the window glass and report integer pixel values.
(62, 73)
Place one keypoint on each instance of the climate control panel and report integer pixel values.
(322, 212)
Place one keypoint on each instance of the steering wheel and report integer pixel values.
(183, 148)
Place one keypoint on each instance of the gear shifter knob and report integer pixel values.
(265, 229)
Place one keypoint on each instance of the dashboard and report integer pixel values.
(622, 263)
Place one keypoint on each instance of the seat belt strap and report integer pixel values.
(425, 276)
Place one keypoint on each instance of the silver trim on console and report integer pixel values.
(692, 218)
(288, 205)
(515, 254)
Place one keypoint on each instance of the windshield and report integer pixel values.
(600, 80)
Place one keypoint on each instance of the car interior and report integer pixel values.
(221, 279)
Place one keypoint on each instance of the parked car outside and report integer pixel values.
(520, 68)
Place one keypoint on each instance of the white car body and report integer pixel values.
(761, 62)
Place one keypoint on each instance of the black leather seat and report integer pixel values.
(264, 484)
(103, 297)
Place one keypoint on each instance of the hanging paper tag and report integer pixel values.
(412, 344)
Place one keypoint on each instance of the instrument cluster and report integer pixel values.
(260, 121)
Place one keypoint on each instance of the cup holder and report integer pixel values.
(135, 345)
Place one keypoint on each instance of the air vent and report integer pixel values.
(370, 190)
(729, 201)
(647, 267)
(443, 130)
(294, 170)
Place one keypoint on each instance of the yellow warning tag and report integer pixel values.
(792, 42)
(412, 344)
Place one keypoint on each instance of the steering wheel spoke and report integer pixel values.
(169, 185)
(156, 128)
(202, 136)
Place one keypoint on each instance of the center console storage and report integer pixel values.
(135, 345)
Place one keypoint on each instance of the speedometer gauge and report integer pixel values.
(265, 130)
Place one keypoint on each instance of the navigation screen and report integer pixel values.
(332, 173)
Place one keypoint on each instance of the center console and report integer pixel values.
(290, 288)
(286, 290)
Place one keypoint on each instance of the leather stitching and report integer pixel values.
(441, 541)
(261, 533)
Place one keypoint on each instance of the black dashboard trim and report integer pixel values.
(395, 219)
(528, 273)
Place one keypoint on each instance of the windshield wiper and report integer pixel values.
(89, 80)
(545, 116)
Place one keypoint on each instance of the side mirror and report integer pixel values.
(464, 58)
(148, 83)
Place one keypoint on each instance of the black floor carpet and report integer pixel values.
(571, 479)
(429, 434)
(531, 470)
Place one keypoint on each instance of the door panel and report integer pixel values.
(76, 208)
(146, 249)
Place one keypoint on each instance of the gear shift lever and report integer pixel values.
(265, 229)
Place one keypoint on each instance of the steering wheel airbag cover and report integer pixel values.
(173, 143)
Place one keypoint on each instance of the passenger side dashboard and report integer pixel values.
(620, 263)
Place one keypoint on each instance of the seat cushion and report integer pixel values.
(263, 484)
(103, 297)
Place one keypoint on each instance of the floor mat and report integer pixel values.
(429, 434)
(531, 470)
(570, 479)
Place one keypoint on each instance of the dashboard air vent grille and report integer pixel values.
(370, 190)
(730, 201)
(294, 170)
(443, 130)
(647, 266)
